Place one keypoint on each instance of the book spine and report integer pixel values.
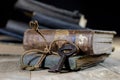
(50, 61)
(76, 62)
(54, 22)
(82, 38)
(55, 9)
(30, 6)
(19, 27)
(12, 34)
(16, 26)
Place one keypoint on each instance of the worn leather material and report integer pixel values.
(82, 38)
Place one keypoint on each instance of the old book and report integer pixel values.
(90, 42)
(18, 27)
(51, 22)
(76, 62)
(7, 39)
(51, 11)
(54, 23)
(7, 32)
(48, 7)
(102, 42)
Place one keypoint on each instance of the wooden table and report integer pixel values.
(108, 70)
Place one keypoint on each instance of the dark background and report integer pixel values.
(101, 14)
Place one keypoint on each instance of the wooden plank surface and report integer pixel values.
(9, 69)
(112, 64)
(108, 70)
(11, 49)
(94, 73)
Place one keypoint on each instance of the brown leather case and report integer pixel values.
(82, 38)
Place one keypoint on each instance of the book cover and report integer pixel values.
(88, 41)
(76, 62)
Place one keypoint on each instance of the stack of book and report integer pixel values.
(95, 46)
(48, 16)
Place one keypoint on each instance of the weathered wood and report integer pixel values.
(108, 70)
(9, 69)
(11, 49)
(15, 75)
(94, 73)
(112, 64)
